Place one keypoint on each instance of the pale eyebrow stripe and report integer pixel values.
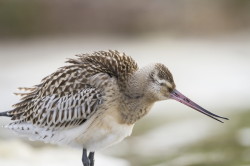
(169, 85)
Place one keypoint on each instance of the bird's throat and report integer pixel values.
(134, 108)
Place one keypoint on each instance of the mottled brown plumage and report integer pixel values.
(69, 81)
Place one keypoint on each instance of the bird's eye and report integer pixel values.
(162, 84)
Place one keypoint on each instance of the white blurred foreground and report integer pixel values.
(14, 152)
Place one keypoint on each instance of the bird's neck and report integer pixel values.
(138, 82)
(136, 101)
(133, 109)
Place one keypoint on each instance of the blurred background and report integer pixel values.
(205, 44)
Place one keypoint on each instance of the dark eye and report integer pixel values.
(162, 84)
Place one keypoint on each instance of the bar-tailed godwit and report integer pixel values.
(93, 102)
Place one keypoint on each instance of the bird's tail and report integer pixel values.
(4, 114)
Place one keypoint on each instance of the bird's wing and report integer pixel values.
(55, 112)
(71, 90)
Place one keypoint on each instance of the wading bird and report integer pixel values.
(93, 102)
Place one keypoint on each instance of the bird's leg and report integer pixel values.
(91, 158)
(85, 159)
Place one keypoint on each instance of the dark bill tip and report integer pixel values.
(176, 95)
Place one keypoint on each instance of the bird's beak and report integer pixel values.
(176, 95)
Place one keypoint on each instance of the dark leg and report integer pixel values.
(85, 159)
(91, 158)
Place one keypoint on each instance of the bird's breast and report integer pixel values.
(105, 131)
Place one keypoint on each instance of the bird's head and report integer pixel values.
(160, 82)
(161, 86)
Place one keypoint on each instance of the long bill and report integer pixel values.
(176, 95)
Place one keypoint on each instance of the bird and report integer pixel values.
(93, 102)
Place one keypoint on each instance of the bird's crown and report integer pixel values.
(161, 75)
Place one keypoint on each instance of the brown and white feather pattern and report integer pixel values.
(69, 97)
